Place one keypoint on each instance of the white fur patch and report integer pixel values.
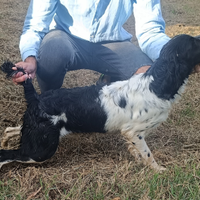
(180, 91)
(9, 161)
(5, 162)
(56, 118)
(28, 161)
(143, 110)
(63, 132)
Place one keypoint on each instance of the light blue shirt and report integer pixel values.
(95, 21)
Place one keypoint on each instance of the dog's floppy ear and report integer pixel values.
(171, 49)
(183, 48)
(190, 52)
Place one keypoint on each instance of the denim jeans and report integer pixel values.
(61, 52)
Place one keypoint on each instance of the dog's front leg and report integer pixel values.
(139, 149)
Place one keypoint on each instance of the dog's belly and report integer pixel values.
(143, 120)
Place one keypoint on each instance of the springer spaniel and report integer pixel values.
(134, 106)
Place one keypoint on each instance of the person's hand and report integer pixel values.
(142, 69)
(29, 66)
(197, 68)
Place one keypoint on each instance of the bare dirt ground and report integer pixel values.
(97, 160)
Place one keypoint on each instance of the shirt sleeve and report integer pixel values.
(36, 25)
(150, 27)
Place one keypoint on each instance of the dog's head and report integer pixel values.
(174, 65)
(184, 48)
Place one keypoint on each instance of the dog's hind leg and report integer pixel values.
(9, 133)
(23, 156)
(32, 149)
(139, 149)
(8, 156)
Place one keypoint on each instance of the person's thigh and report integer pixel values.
(120, 60)
(58, 53)
(54, 56)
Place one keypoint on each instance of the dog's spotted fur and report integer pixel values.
(134, 106)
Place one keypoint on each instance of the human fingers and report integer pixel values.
(29, 68)
(142, 69)
(25, 66)
(19, 78)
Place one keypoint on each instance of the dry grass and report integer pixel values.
(98, 166)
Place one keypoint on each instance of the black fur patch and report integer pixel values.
(40, 135)
(7, 66)
(122, 102)
(175, 63)
(83, 112)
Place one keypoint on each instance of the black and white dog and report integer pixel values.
(134, 106)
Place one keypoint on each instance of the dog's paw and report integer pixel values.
(161, 168)
(11, 138)
(157, 167)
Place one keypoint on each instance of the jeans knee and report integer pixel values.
(56, 51)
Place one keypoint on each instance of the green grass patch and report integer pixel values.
(9, 188)
(175, 183)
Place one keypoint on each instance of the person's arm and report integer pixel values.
(150, 27)
(36, 25)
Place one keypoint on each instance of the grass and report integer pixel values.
(8, 189)
(176, 183)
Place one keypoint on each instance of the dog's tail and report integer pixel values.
(29, 90)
